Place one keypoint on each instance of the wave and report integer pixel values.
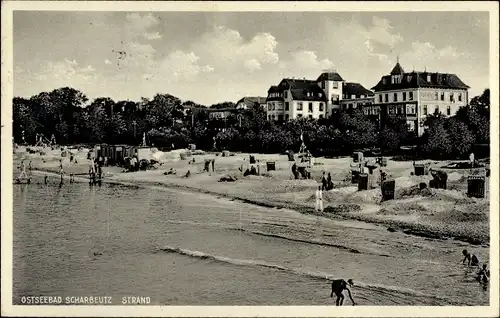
(391, 293)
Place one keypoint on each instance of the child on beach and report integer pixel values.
(471, 258)
(319, 200)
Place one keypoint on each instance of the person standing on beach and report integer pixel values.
(323, 181)
(329, 183)
(319, 200)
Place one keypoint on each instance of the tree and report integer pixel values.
(436, 140)
(163, 110)
(461, 137)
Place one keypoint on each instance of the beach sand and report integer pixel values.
(429, 212)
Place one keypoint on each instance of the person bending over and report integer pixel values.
(471, 258)
(338, 286)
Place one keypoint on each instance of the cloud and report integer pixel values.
(65, 73)
(227, 50)
(305, 63)
(427, 55)
(107, 62)
(152, 36)
(252, 65)
(137, 24)
(180, 65)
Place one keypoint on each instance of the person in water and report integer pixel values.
(338, 286)
(483, 275)
(471, 258)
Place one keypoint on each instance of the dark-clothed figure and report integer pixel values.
(324, 183)
(471, 258)
(338, 286)
(483, 275)
(329, 182)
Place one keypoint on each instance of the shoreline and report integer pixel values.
(407, 227)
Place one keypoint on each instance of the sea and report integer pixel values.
(174, 247)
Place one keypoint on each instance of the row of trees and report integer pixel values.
(67, 114)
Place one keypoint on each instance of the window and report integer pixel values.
(287, 106)
(442, 96)
(280, 117)
(386, 98)
(425, 110)
(299, 105)
(436, 96)
(323, 85)
(436, 109)
(310, 107)
(320, 116)
(362, 96)
(269, 106)
(350, 106)
(353, 96)
(320, 94)
(335, 85)
(310, 116)
(410, 109)
(391, 110)
(428, 78)
(410, 95)
(408, 79)
(459, 97)
(321, 106)
(380, 98)
(399, 110)
(448, 110)
(344, 106)
(404, 95)
(286, 94)
(308, 94)
(287, 117)
(452, 98)
(395, 97)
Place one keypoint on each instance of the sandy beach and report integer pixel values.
(437, 213)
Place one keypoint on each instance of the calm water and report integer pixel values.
(187, 249)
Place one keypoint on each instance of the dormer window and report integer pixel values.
(428, 78)
(408, 78)
(383, 81)
(320, 94)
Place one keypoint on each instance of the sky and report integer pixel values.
(211, 57)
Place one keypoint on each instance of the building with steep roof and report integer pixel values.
(415, 95)
(295, 98)
(249, 102)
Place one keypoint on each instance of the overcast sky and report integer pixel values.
(214, 57)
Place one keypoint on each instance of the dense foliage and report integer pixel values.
(167, 121)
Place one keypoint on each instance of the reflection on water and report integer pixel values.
(188, 249)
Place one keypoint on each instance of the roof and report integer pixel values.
(292, 83)
(355, 89)
(220, 110)
(249, 100)
(420, 79)
(397, 70)
(330, 76)
(315, 93)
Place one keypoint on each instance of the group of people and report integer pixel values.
(339, 285)
(483, 275)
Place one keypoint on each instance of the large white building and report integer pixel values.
(417, 94)
(295, 98)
